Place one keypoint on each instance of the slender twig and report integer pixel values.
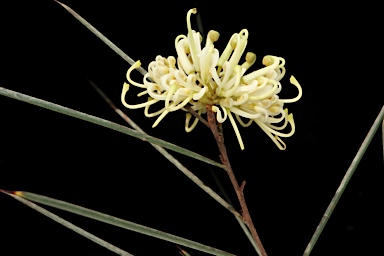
(193, 112)
(239, 190)
(181, 167)
(168, 156)
(344, 182)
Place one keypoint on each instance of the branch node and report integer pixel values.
(242, 186)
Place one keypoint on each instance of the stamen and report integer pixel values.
(160, 118)
(282, 62)
(147, 114)
(124, 92)
(247, 88)
(181, 105)
(188, 118)
(231, 91)
(281, 73)
(272, 63)
(142, 93)
(278, 142)
(166, 81)
(183, 60)
(262, 111)
(200, 94)
(181, 79)
(267, 94)
(151, 91)
(242, 123)
(291, 122)
(295, 83)
(191, 39)
(240, 47)
(205, 62)
(274, 120)
(170, 93)
(236, 130)
(243, 113)
(226, 102)
(180, 95)
(241, 100)
(215, 77)
(284, 125)
(226, 53)
(134, 66)
(227, 70)
(212, 37)
(219, 117)
(250, 59)
(146, 81)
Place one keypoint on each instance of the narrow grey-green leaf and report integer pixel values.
(72, 227)
(119, 222)
(102, 37)
(105, 123)
(344, 182)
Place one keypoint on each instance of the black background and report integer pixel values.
(46, 53)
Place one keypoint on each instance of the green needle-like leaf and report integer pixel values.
(102, 37)
(344, 182)
(105, 123)
(71, 226)
(118, 222)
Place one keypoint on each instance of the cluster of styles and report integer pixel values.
(201, 77)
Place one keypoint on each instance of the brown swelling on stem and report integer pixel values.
(239, 190)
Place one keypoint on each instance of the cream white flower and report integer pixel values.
(201, 77)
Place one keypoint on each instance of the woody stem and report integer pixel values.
(238, 189)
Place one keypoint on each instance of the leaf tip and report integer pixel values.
(17, 193)
(60, 3)
(10, 192)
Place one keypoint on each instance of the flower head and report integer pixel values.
(201, 76)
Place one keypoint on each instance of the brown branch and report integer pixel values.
(239, 190)
(242, 186)
(195, 114)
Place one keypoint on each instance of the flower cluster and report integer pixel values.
(201, 76)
